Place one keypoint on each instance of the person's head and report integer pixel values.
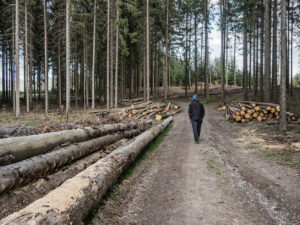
(195, 97)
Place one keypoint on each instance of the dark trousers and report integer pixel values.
(196, 124)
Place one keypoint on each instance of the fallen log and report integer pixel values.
(24, 195)
(72, 201)
(26, 170)
(19, 148)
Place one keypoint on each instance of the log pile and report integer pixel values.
(144, 111)
(71, 202)
(245, 111)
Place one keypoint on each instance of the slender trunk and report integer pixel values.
(254, 57)
(250, 58)
(26, 57)
(256, 64)
(85, 76)
(222, 52)
(206, 50)
(186, 56)
(76, 73)
(94, 55)
(291, 57)
(59, 74)
(148, 52)
(262, 59)
(111, 75)
(107, 54)
(267, 50)
(3, 72)
(196, 53)
(167, 54)
(67, 56)
(117, 61)
(17, 62)
(46, 56)
(234, 61)
(274, 63)
(245, 50)
(283, 118)
(288, 48)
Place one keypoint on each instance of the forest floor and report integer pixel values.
(238, 174)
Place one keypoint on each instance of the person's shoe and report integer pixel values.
(197, 142)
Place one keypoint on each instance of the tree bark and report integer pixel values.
(196, 52)
(17, 75)
(245, 59)
(72, 201)
(19, 148)
(46, 56)
(67, 56)
(107, 55)
(223, 52)
(206, 50)
(94, 55)
(167, 54)
(117, 59)
(26, 56)
(22, 172)
(267, 50)
(283, 84)
(148, 51)
(262, 56)
(274, 63)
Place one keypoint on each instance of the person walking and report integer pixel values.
(196, 114)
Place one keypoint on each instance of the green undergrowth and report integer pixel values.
(213, 165)
(112, 194)
(279, 156)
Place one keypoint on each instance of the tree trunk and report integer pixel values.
(262, 56)
(148, 51)
(108, 55)
(267, 50)
(67, 57)
(117, 60)
(46, 56)
(283, 84)
(22, 172)
(26, 57)
(30, 72)
(274, 63)
(94, 55)
(222, 52)
(17, 75)
(59, 73)
(245, 56)
(291, 57)
(206, 50)
(93, 182)
(196, 52)
(19, 148)
(186, 55)
(167, 54)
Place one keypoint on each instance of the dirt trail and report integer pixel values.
(209, 183)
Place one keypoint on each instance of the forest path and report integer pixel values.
(186, 183)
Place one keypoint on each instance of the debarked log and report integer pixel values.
(26, 170)
(19, 148)
(72, 201)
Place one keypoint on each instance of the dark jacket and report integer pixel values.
(196, 110)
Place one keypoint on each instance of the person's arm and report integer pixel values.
(203, 113)
(190, 111)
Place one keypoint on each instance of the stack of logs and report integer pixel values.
(144, 111)
(246, 111)
(77, 187)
